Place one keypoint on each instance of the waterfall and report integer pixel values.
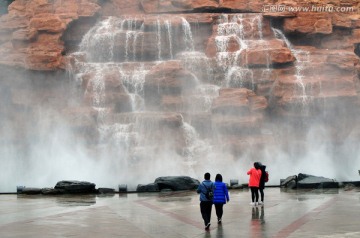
(302, 61)
(205, 94)
(139, 131)
(115, 68)
(247, 33)
(195, 147)
(188, 38)
(196, 62)
(98, 43)
(158, 26)
(169, 33)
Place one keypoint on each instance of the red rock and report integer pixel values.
(25, 34)
(343, 59)
(171, 103)
(169, 75)
(341, 20)
(87, 9)
(157, 6)
(47, 22)
(355, 37)
(121, 7)
(237, 101)
(13, 22)
(355, 22)
(235, 4)
(168, 78)
(309, 23)
(339, 40)
(26, 19)
(206, 4)
(267, 56)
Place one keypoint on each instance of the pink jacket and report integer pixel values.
(254, 179)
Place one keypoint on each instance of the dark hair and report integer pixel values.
(257, 165)
(207, 176)
(218, 178)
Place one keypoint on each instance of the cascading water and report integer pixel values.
(146, 44)
(120, 70)
(302, 61)
(247, 32)
(189, 42)
(181, 130)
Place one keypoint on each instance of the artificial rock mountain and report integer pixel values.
(285, 73)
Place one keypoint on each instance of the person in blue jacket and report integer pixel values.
(206, 203)
(221, 196)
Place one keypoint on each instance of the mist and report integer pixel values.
(118, 115)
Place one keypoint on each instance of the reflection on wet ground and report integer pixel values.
(65, 200)
(292, 213)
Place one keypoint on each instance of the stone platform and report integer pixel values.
(320, 213)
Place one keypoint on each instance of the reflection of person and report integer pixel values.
(205, 203)
(257, 222)
(262, 183)
(254, 180)
(255, 213)
(221, 196)
(262, 215)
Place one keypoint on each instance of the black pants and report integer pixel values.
(205, 209)
(261, 194)
(219, 210)
(254, 194)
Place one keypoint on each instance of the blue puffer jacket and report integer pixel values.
(202, 190)
(221, 194)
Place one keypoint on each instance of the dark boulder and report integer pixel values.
(308, 181)
(237, 186)
(152, 187)
(311, 181)
(289, 182)
(351, 183)
(106, 190)
(50, 191)
(177, 183)
(31, 191)
(73, 186)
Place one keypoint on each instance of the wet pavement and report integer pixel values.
(296, 213)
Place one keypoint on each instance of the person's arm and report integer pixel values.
(226, 193)
(198, 190)
(249, 172)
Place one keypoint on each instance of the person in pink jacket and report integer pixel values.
(254, 181)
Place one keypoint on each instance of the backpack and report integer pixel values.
(266, 177)
(209, 193)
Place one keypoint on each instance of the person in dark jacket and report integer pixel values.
(262, 182)
(205, 203)
(221, 196)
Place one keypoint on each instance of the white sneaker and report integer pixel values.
(260, 203)
(207, 227)
(252, 204)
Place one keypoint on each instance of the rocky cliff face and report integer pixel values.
(237, 74)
